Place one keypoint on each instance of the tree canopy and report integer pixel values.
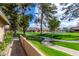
(53, 24)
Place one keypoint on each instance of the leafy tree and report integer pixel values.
(24, 19)
(9, 10)
(53, 24)
(24, 22)
(12, 14)
(47, 10)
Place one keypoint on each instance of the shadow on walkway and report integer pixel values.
(17, 49)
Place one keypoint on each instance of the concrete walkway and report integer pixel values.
(66, 50)
(71, 41)
(17, 49)
(60, 48)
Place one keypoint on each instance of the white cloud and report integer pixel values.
(65, 23)
(69, 24)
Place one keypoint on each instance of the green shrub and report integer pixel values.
(7, 40)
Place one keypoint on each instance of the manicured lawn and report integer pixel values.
(74, 46)
(72, 33)
(47, 51)
(64, 36)
(28, 33)
(32, 33)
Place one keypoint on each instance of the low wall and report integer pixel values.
(29, 48)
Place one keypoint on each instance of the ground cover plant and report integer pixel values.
(6, 42)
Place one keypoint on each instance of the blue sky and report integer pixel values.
(34, 11)
(64, 23)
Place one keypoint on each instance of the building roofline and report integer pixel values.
(4, 17)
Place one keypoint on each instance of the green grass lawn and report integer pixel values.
(32, 33)
(46, 50)
(64, 36)
(74, 46)
(72, 33)
(28, 33)
(52, 52)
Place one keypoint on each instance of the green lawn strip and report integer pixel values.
(32, 33)
(74, 46)
(46, 50)
(64, 36)
(27, 33)
(73, 33)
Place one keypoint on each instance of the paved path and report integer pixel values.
(60, 48)
(66, 50)
(17, 49)
(71, 41)
(63, 49)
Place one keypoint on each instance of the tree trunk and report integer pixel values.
(14, 33)
(23, 18)
(24, 31)
(41, 20)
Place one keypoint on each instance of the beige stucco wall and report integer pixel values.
(1, 33)
(3, 22)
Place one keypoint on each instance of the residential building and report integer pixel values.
(3, 22)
